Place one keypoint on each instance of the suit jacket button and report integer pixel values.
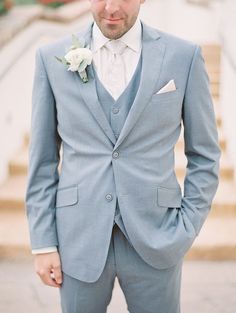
(115, 110)
(115, 154)
(109, 197)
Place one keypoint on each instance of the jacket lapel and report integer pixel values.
(89, 92)
(153, 51)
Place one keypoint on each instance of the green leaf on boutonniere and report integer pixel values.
(58, 59)
(83, 76)
(62, 60)
(82, 66)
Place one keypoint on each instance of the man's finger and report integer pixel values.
(57, 274)
(46, 278)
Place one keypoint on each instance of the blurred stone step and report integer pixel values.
(215, 89)
(12, 193)
(211, 53)
(14, 236)
(26, 140)
(21, 16)
(214, 76)
(212, 65)
(17, 19)
(216, 101)
(218, 115)
(226, 169)
(213, 70)
(66, 13)
(212, 60)
(211, 48)
(19, 164)
(216, 241)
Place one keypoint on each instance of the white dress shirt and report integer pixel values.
(102, 56)
(102, 66)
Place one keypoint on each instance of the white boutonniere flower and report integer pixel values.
(77, 58)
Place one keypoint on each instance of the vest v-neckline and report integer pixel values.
(126, 88)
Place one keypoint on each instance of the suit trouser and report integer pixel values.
(146, 289)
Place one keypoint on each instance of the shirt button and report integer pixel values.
(115, 154)
(115, 110)
(109, 197)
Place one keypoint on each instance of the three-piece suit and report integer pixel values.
(120, 168)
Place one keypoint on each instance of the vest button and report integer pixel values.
(115, 154)
(115, 110)
(109, 197)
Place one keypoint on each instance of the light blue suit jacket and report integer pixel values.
(70, 207)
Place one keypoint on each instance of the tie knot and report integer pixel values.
(116, 46)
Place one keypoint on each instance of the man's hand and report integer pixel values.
(48, 267)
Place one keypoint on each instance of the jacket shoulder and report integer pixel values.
(170, 38)
(175, 45)
(178, 45)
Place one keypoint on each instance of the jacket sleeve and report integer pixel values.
(44, 157)
(201, 144)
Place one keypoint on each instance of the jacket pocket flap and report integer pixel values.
(169, 197)
(67, 196)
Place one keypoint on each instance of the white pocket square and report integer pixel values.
(170, 86)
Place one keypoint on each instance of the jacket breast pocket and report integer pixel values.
(165, 109)
(169, 197)
(166, 96)
(67, 196)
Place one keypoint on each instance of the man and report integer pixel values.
(116, 209)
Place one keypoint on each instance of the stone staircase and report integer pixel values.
(216, 241)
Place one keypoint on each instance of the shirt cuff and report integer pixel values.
(44, 250)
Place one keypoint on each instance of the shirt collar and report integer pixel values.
(132, 38)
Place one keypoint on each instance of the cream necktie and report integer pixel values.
(115, 75)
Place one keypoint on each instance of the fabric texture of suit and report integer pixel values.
(74, 208)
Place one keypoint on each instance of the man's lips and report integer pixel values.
(113, 20)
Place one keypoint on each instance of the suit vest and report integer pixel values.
(116, 112)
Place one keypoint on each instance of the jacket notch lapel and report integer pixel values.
(88, 92)
(153, 51)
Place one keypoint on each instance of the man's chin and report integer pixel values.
(112, 32)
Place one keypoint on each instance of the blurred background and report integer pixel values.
(209, 272)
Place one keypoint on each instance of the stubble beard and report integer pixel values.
(114, 31)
